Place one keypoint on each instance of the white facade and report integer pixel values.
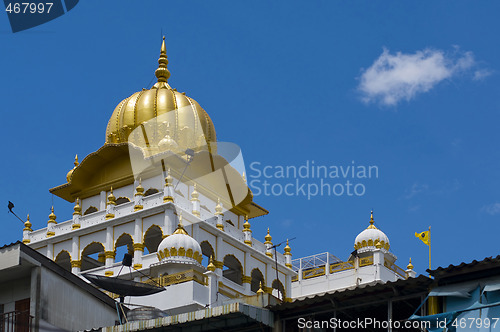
(91, 247)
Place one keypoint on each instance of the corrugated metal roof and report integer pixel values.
(487, 262)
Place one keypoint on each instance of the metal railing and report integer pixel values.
(314, 261)
(393, 267)
(16, 321)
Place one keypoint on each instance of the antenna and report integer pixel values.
(276, 262)
(10, 206)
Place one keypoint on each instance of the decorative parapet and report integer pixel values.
(366, 261)
(177, 278)
(342, 266)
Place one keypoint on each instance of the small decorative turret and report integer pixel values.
(219, 215)
(168, 191)
(27, 230)
(76, 214)
(288, 255)
(247, 231)
(139, 194)
(51, 223)
(268, 244)
(195, 201)
(110, 205)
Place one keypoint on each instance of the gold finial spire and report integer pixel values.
(246, 224)
(180, 229)
(218, 208)
(52, 216)
(111, 197)
(268, 237)
(260, 291)
(194, 194)
(410, 265)
(77, 209)
(372, 226)
(139, 190)
(211, 266)
(27, 224)
(287, 248)
(162, 72)
(76, 163)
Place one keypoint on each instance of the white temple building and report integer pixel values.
(163, 190)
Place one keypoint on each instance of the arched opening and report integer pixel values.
(232, 269)
(152, 239)
(92, 256)
(64, 260)
(206, 251)
(257, 278)
(278, 289)
(90, 210)
(124, 244)
(151, 191)
(122, 200)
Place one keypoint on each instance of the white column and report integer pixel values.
(170, 221)
(50, 251)
(76, 262)
(212, 288)
(247, 273)
(109, 253)
(102, 202)
(138, 245)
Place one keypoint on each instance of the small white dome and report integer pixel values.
(370, 236)
(179, 247)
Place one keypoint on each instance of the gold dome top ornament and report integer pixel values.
(162, 73)
(172, 120)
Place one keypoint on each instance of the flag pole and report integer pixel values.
(429, 247)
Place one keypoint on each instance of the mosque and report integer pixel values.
(163, 191)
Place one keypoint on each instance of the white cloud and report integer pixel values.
(492, 209)
(396, 77)
(481, 74)
(416, 189)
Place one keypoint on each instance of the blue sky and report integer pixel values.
(411, 87)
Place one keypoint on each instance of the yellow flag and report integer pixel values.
(424, 236)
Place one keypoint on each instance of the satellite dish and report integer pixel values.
(123, 287)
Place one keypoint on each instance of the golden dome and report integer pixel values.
(168, 117)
